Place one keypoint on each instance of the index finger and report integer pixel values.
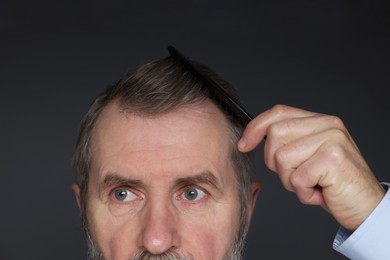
(256, 130)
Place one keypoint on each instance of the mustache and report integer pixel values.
(169, 255)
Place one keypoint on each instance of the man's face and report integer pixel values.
(163, 183)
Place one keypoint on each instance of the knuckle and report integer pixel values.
(273, 130)
(334, 153)
(338, 136)
(270, 162)
(304, 199)
(279, 109)
(335, 121)
(295, 180)
(282, 128)
(280, 156)
(292, 123)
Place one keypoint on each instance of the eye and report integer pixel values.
(193, 194)
(124, 195)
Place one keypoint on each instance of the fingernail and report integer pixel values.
(242, 143)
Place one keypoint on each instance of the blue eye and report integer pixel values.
(193, 194)
(124, 195)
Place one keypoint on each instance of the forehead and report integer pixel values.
(199, 132)
(202, 117)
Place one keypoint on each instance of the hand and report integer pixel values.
(315, 157)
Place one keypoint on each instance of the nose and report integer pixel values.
(159, 232)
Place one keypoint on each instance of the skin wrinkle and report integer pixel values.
(114, 179)
(205, 177)
(136, 96)
(111, 169)
(208, 229)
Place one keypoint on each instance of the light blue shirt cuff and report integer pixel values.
(372, 239)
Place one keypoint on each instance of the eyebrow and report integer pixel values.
(203, 177)
(114, 179)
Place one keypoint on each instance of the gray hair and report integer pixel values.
(152, 89)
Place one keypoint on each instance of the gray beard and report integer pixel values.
(236, 252)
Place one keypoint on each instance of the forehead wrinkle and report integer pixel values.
(207, 111)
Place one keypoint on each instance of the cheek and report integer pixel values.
(201, 242)
(121, 243)
(99, 228)
(111, 234)
(211, 236)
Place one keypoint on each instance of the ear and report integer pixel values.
(255, 189)
(76, 189)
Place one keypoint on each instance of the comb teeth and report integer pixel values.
(217, 93)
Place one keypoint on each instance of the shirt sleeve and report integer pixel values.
(372, 239)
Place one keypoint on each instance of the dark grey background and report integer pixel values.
(55, 56)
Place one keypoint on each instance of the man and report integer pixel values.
(164, 166)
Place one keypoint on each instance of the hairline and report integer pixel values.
(128, 110)
(233, 139)
(190, 92)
